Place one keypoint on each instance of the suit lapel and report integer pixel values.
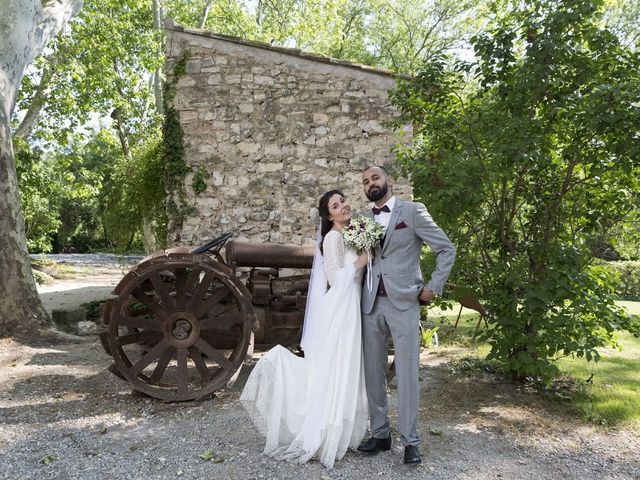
(397, 208)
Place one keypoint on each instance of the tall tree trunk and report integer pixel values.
(25, 28)
(121, 128)
(21, 311)
(149, 238)
(37, 103)
(205, 13)
(157, 75)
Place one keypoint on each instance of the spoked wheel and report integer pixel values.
(180, 327)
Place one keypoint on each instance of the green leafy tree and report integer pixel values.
(523, 155)
(25, 33)
(39, 196)
(99, 69)
(106, 69)
(621, 17)
(88, 168)
(134, 198)
(397, 34)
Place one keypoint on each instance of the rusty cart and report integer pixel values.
(184, 321)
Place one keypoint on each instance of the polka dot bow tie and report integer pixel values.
(376, 210)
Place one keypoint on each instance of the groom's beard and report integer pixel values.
(376, 194)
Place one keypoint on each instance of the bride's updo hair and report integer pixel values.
(323, 210)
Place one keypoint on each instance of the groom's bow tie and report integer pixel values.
(376, 210)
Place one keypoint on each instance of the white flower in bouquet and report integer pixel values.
(362, 233)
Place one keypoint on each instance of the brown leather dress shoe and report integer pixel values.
(375, 445)
(412, 455)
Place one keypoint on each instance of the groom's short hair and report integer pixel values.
(381, 167)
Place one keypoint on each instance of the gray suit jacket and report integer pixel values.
(398, 260)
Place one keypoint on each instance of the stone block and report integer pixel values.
(321, 162)
(309, 179)
(186, 81)
(269, 167)
(214, 79)
(67, 319)
(320, 118)
(88, 328)
(262, 80)
(187, 116)
(247, 148)
(193, 66)
(259, 216)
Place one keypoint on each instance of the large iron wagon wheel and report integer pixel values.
(180, 327)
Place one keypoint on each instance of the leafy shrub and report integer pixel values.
(628, 275)
(40, 196)
(135, 197)
(522, 172)
(41, 278)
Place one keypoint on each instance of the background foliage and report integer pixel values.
(526, 154)
(526, 121)
(98, 91)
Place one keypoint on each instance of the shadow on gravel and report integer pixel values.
(63, 396)
(66, 357)
(474, 426)
(447, 393)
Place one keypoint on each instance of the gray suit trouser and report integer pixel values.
(403, 326)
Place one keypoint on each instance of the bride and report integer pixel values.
(316, 406)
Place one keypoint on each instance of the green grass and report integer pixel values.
(445, 320)
(606, 392)
(58, 271)
(611, 394)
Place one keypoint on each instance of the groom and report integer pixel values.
(392, 308)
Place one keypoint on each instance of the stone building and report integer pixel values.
(265, 131)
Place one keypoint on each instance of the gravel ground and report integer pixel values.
(64, 416)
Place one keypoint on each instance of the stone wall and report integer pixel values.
(269, 130)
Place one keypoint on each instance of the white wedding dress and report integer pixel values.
(316, 406)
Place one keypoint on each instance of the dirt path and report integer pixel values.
(64, 416)
(95, 280)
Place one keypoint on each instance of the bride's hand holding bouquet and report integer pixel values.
(363, 234)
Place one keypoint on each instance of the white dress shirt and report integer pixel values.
(383, 217)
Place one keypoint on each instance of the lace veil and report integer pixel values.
(311, 328)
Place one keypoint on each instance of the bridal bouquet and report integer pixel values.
(362, 233)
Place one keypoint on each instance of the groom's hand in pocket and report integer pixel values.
(426, 296)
